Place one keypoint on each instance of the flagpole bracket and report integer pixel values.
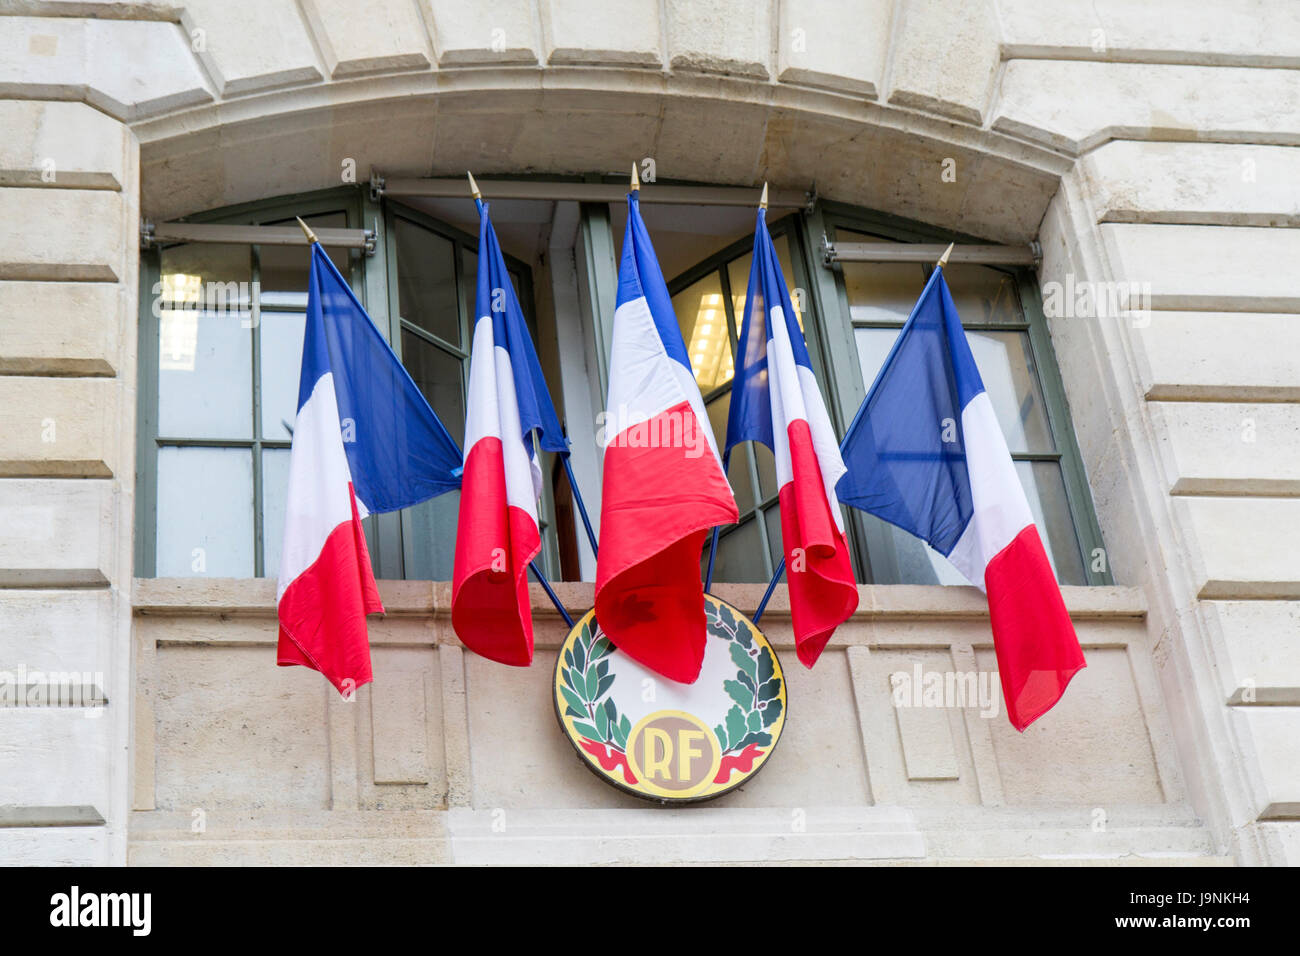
(829, 255)
(810, 200)
(376, 187)
(147, 237)
(372, 240)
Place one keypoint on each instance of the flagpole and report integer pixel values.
(473, 188)
(767, 595)
(546, 586)
(582, 508)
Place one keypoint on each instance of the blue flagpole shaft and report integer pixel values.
(582, 507)
(762, 605)
(546, 586)
(713, 553)
(713, 545)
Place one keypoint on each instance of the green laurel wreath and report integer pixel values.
(756, 690)
(586, 681)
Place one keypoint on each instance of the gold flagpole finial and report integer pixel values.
(311, 236)
(473, 187)
(636, 180)
(762, 202)
(943, 259)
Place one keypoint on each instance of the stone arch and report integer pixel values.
(729, 131)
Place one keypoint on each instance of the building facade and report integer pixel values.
(1137, 163)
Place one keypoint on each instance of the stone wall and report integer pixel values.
(448, 757)
(69, 223)
(1152, 143)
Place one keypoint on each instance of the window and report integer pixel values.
(710, 304)
(879, 298)
(220, 358)
(431, 291)
(864, 306)
(221, 338)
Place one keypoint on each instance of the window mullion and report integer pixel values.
(255, 318)
(439, 343)
(751, 460)
(391, 532)
(1078, 495)
(146, 491)
(844, 386)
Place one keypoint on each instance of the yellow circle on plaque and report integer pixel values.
(662, 740)
(673, 753)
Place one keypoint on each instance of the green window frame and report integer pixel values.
(393, 538)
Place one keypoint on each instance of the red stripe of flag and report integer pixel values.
(490, 609)
(823, 590)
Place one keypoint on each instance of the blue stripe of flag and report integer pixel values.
(750, 417)
(905, 450)
(398, 451)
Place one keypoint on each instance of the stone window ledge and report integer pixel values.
(255, 597)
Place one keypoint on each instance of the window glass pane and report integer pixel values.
(469, 283)
(740, 554)
(880, 291)
(205, 357)
(212, 276)
(1045, 489)
(742, 485)
(205, 512)
(873, 348)
(426, 280)
(766, 471)
(774, 541)
(438, 375)
(738, 468)
(918, 563)
(738, 276)
(982, 295)
(432, 527)
(275, 485)
(285, 268)
(703, 320)
(1006, 366)
(281, 366)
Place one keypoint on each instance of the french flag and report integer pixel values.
(925, 453)
(364, 441)
(664, 487)
(775, 400)
(509, 415)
